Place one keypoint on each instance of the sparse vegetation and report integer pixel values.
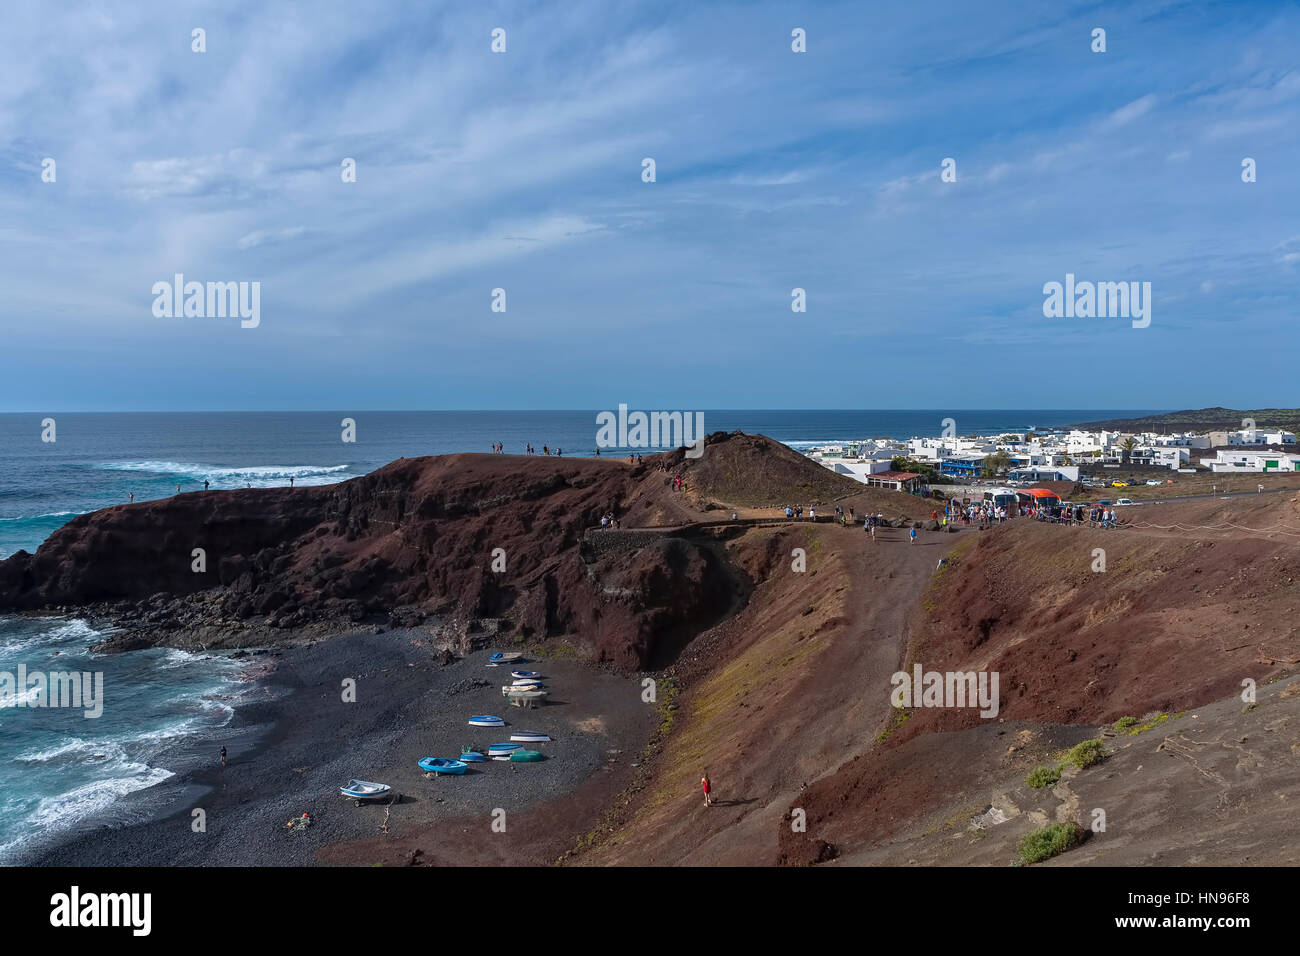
(1049, 842)
(1124, 723)
(899, 720)
(1086, 754)
(1043, 777)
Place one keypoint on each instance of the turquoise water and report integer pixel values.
(62, 769)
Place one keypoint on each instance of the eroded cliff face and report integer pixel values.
(475, 544)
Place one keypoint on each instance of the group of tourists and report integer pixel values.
(679, 483)
(608, 520)
(796, 511)
(546, 450)
(981, 514)
(985, 515)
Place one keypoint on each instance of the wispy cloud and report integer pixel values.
(522, 170)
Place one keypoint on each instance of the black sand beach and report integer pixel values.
(289, 755)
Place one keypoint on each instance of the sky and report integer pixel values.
(522, 170)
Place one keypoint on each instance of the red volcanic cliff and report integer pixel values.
(413, 542)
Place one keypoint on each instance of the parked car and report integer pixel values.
(1153, 481)
(1123, 501)
(1119, 484)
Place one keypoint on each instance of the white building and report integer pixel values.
(1257, 436)
(1245, 462)
(1171, 457)
(1181, 441)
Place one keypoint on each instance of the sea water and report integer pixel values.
(64, 770)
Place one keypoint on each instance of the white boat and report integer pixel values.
(359, 790)
(526, 682)
(526, 693)
(530, 737)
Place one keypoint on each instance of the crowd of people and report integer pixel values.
(984, 514)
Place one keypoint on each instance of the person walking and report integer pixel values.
(223, 755)
(708, 789)
(912, 536)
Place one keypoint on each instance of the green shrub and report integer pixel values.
(1048, 842)
(1124, 723)
(1086, 754)
(1043, 777)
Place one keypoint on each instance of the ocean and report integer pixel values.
(65, 771)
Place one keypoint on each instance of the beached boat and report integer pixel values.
(503, 749)
(530, 736)
(527, 682)
(442, 765)
(528, 699)
(525, 674)
(486, 720)
(359, 790)
(533, 692)
(472, 756)
(526, 756)
(506, 657)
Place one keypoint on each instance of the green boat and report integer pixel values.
(526, 756)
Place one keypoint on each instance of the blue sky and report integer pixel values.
(522, 171)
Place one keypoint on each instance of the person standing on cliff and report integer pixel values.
(178, 487)
(130, 498)
(205, 484)
(708, 789)
(223, 755)
(291, 481)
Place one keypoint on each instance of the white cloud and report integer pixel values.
(1131, 111)
(260, 237)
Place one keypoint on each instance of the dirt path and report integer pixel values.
(789, 661)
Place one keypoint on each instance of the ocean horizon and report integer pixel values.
(100, 459)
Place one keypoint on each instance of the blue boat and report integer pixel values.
(503, 749)
(506, 658)
(473, 756)
(486, 720)
(442, 765)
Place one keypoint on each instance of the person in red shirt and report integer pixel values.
(708, 789)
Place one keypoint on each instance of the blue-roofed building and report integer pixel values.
(968, 466)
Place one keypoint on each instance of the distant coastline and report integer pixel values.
(1202, 420)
